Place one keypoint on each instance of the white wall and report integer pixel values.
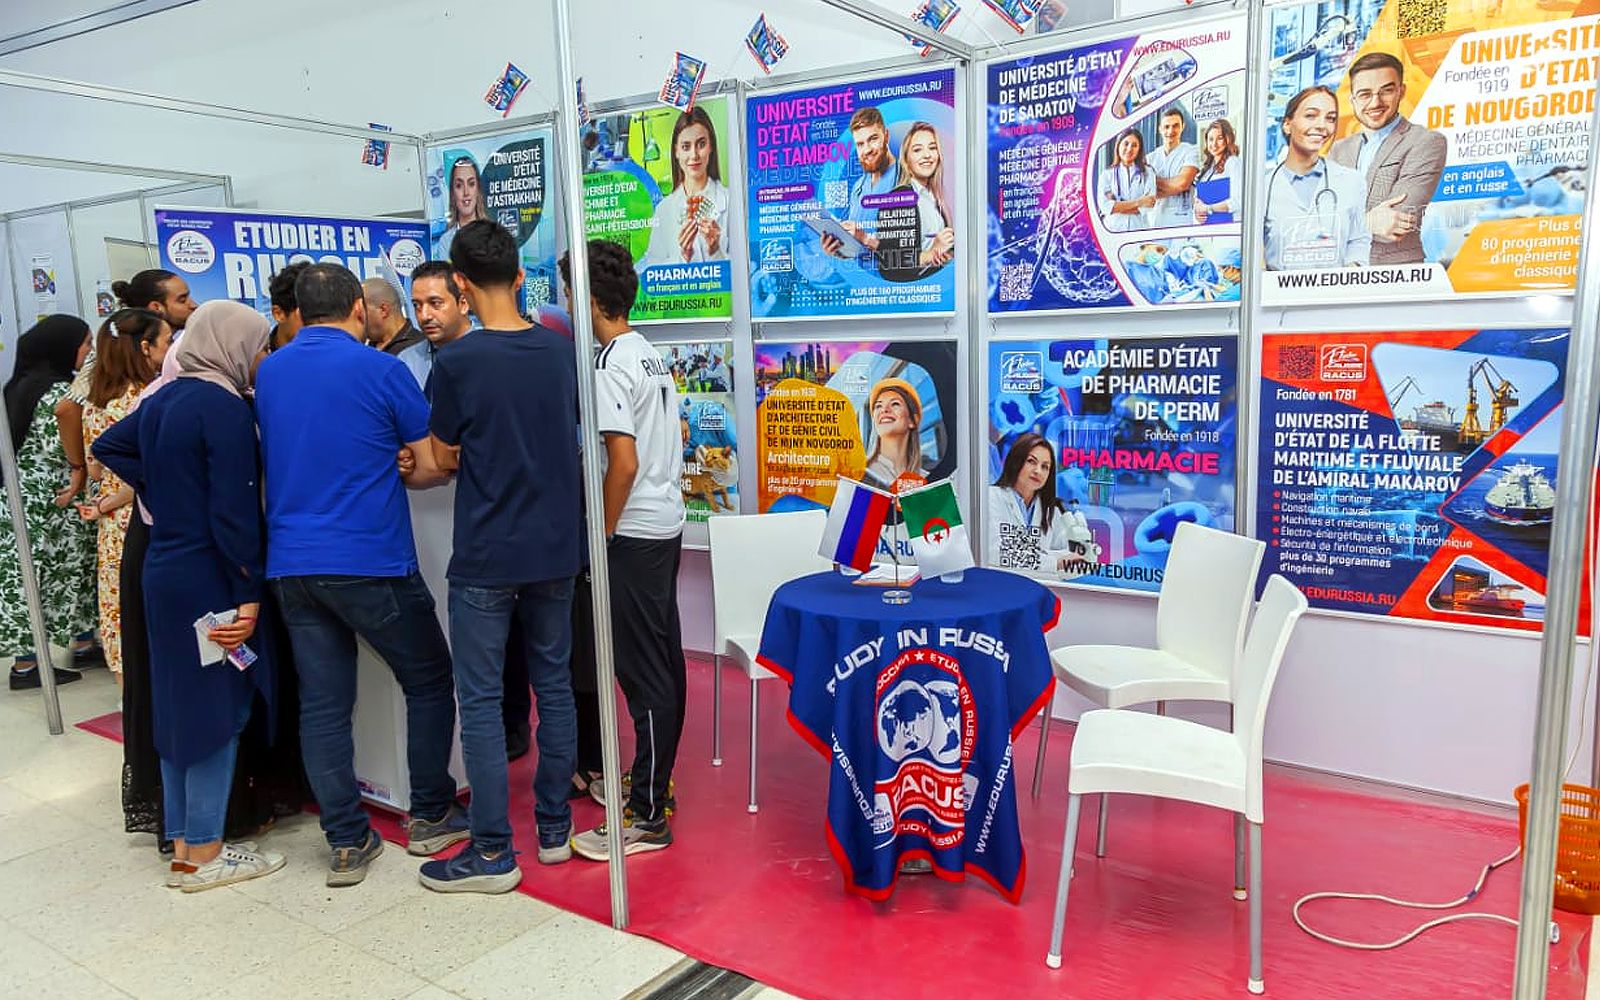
(1433, 708)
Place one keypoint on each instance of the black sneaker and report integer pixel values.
(28, 680)
(88, 658)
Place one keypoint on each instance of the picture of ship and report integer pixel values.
(1471, 588)
(1522, 496)
(1438, 418)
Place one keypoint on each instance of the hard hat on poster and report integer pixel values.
(905, 389)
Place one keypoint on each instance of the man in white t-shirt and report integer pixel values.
(636, 413)
(1176, 164)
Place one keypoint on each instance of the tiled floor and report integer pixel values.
(83, 915)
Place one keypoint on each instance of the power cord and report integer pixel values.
(1555, 930)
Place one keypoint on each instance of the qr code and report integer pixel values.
(539, 291)
(836, 194)
(1420, 17)
(1016, 282)
(1297, 362)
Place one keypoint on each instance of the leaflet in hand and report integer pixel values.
(240, 656)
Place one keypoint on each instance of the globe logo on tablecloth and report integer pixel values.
(921, 719)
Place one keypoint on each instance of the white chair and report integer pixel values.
(1206, 593)
(751, 556)
(1135, 752)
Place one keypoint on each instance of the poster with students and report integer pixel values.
(504, 178)
(656, 180)
(1424, 151)
(1100, 448)
(1412, 474)
(853, 198)
(881, 412)
(231, 253)
(1115, 172)
(706, 416)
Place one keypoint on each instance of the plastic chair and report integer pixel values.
(752, 555)
(1143, 754)
(1205, 599)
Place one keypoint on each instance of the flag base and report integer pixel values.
(897, 597)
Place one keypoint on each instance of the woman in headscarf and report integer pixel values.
(61, 544)
(190, 453)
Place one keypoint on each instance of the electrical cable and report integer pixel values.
(1577, 745)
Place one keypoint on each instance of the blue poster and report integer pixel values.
(1099, 449)
(505, 178)
(226, 253)
(853, 195)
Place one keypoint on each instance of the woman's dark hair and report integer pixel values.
(694, 116)
(1116, 158)
(1230, 144)
(144, 288)
(613, 283)
(1049, 503)
(485, 253)
(46, 355)
(119, 353)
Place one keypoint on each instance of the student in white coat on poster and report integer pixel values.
(1030, 529)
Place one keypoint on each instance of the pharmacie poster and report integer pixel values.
(1130, 438)
(1115, 172)
(657, 182)
(227, 253)
(853, 198)
(1413, 475)
(881, 412)
(706, 416)
(1445, 155)
(505, 178)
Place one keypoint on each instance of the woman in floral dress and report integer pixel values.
(63, 546)
(121, 371)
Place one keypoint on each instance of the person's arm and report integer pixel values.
(233, 508)
(445, 423)
(1400, 214)
(417, 465)
(118, 449)
(69, 425)
(1178, 183)
(622, 468)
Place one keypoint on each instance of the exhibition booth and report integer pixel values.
(1358, 358)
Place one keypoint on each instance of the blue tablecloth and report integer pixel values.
(915, 706)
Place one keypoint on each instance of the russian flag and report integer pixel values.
(855, 523)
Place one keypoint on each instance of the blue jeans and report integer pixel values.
(395, 615)
(480, 618)
(194, 799)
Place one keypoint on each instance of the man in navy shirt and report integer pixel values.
(334, 415)
(505, 413)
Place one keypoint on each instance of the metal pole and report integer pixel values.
(1568, 558)
(1250, 257)
(30, 582)
(95, 21)
(977, 166)
(905, 26)
(571, 186)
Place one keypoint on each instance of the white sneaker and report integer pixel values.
(234, 864)
(176, 869)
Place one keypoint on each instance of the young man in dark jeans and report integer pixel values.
(636, 404)
(505, 407)
(334, 414)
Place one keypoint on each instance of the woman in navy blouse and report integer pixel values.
(190, 453)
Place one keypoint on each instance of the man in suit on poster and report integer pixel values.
(1399, 161)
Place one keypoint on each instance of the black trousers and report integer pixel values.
(649, 653)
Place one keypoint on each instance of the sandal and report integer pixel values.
(580, 784)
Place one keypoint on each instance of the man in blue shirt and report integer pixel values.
(505, 413)
(334, 415)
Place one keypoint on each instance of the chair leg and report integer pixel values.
(1069, 844)
(1044, 741)
(716, 711)
(1239, 892)
(1256, 984)
(1100, 828)
(755, 727)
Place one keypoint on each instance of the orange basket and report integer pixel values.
(1577, 846)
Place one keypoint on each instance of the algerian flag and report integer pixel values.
(938, 536)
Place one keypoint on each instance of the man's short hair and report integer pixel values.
(326, 293)
(437, 269)
(1377, 60)
(486, 254)
(378, 291)
(281, 288)
(867, 118)
(613, 283)
(1171, 111)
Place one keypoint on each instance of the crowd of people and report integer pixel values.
(221, 502)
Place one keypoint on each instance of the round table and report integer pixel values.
(915, 706)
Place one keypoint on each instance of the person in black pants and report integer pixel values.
(637, 417)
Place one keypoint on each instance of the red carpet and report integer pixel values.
(108, 725)
(1154, 919)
